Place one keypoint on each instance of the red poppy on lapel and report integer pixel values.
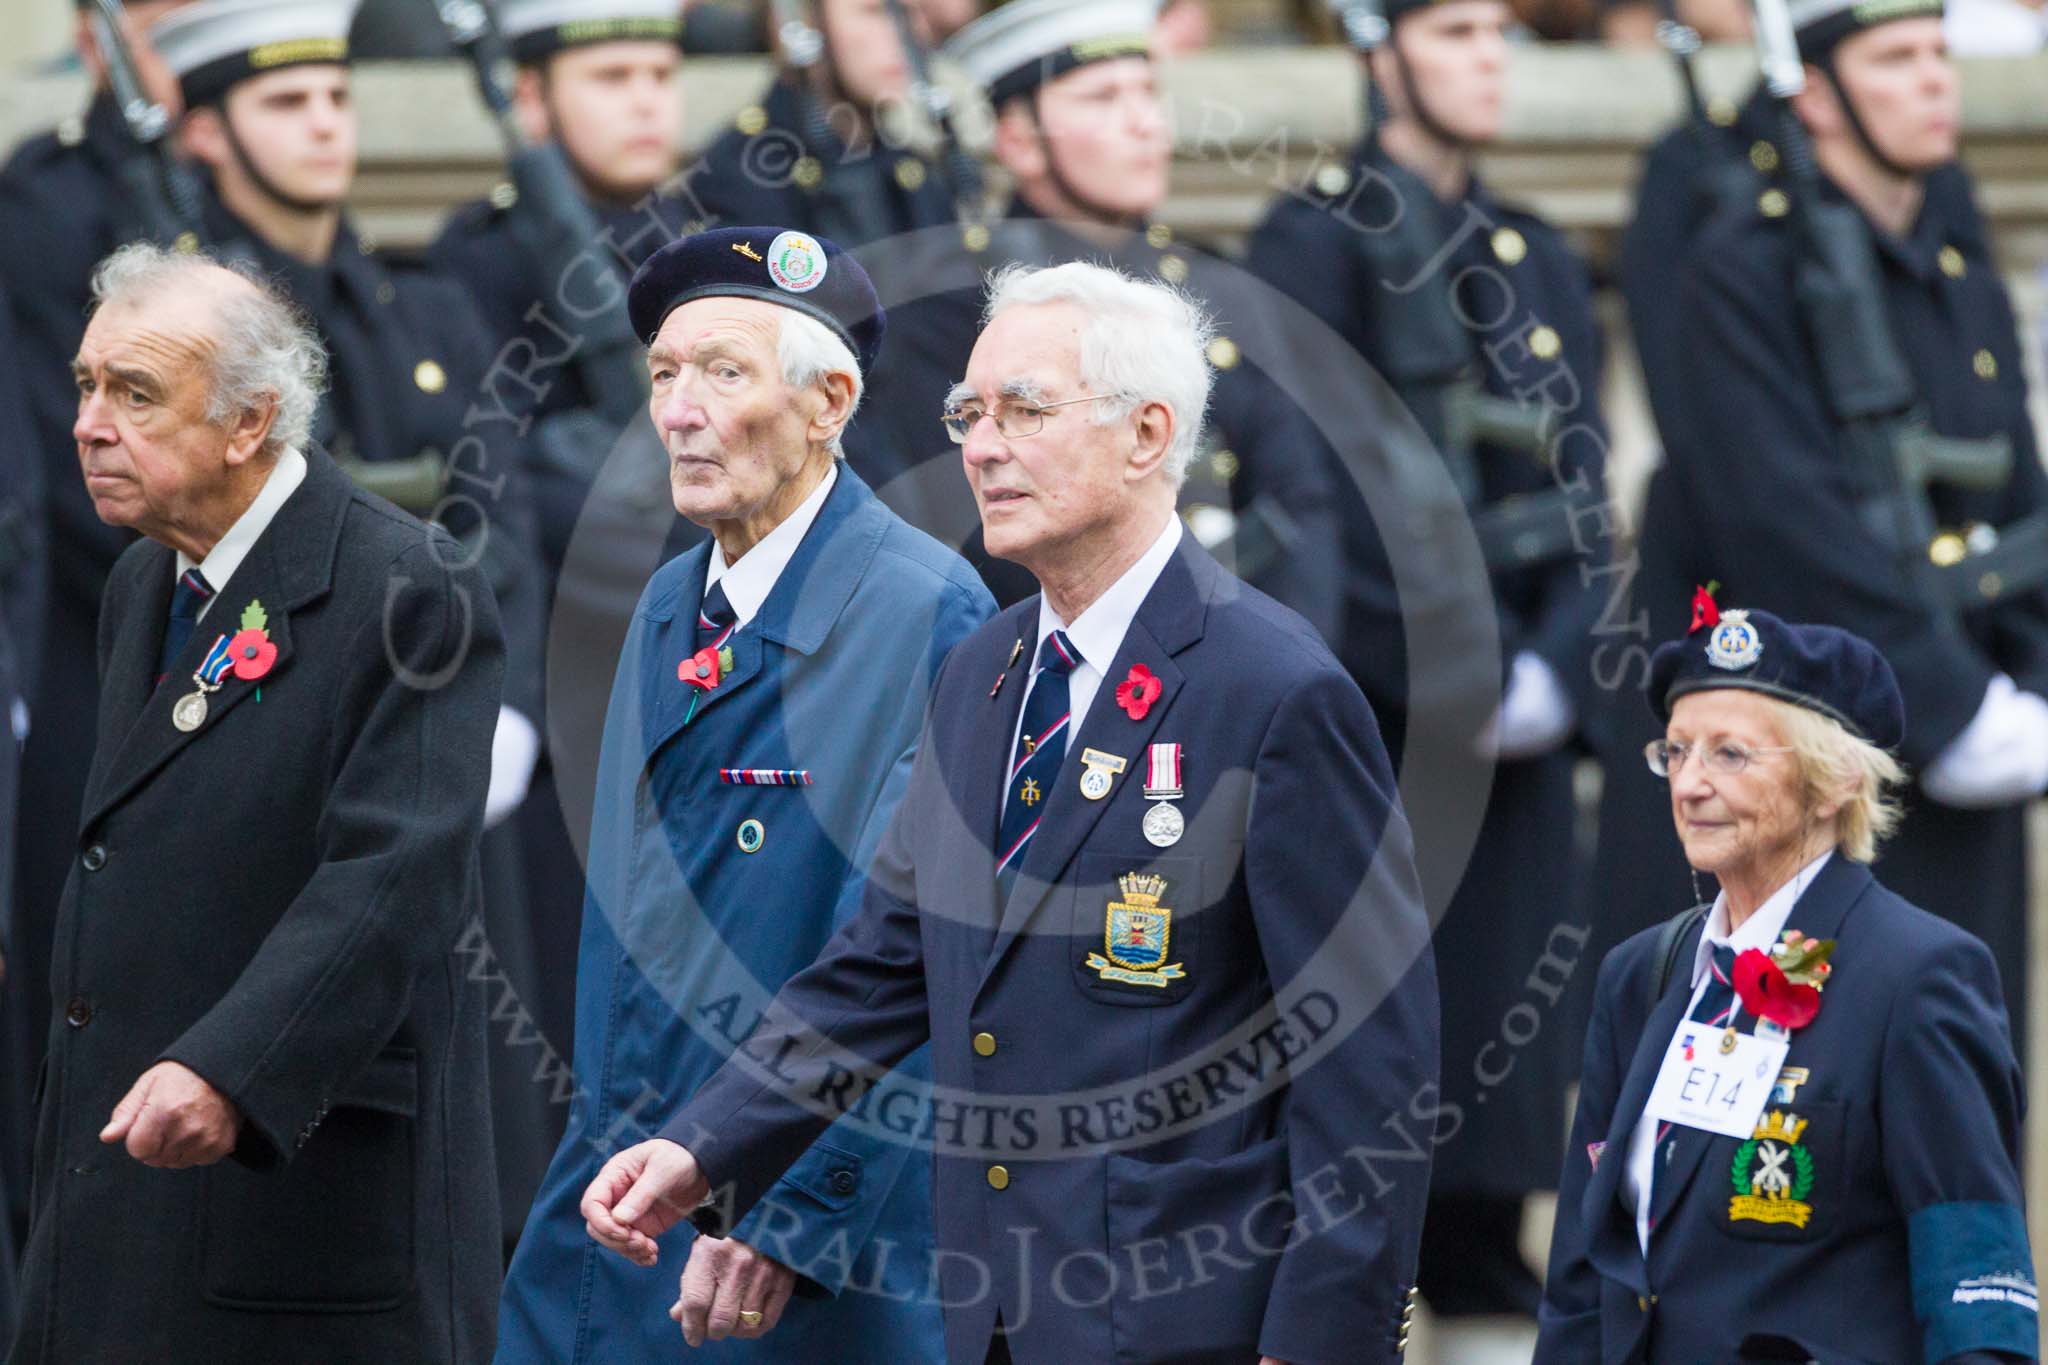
(1784, 984)
(1137, 692)
(253, 654)
(251, 648)
(701, 669)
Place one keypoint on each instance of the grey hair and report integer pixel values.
(266, 351)
(808, 351)
(1832, 762)
(1143, 342)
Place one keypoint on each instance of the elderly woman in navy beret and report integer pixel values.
(1798, 1125)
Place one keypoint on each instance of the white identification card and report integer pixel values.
(1703, 1087)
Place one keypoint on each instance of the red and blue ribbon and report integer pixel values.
(765, 777)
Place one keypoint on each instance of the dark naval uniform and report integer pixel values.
(407, 356)
(16, 1054)
(1757, 495)
(61, 212)
(566, 446)
(274, 900)
(1690, 176)
(1896, 1232)
(21, 578)
(774, 166)
(481, 248)
(1260, 489)
(1515, 907)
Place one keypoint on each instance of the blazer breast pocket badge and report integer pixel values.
(1773, 1174)
(1137, 932)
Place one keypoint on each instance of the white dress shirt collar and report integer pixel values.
(1098, 632)
(231, 549)
(748, 583)
(1762, 928)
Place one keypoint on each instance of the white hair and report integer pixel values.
(808, 351)
(266, 351)
(1143, 342)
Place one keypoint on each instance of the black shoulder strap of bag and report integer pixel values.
(1670, 939)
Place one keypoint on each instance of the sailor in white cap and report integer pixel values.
(210, 47)
(1096, 148)
(602, 80)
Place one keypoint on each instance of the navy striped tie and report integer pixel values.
(1716, 1009)
(1035, 763)
(187, 599)
(715, 618)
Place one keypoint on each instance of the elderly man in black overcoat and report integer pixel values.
(263, 1052)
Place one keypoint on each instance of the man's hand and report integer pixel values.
(725, 1279)
(171, 1119)
(641, 1193)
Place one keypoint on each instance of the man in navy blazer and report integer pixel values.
(1149, 897)
(758, 735)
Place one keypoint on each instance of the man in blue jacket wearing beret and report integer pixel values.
(761, 727)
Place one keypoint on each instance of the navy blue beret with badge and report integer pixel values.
(1822, 668)
(795, 269)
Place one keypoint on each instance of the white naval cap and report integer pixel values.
(212, 44)
(537, 28)
(1820, 24)
(1015, 49)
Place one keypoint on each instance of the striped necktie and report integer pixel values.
(1035, 764)
(187, 599)
(715, 618)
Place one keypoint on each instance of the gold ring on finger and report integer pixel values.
(750, 1317)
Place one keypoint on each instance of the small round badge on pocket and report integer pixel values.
(751, 836)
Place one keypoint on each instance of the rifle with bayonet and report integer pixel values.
(163, 196)
(961, 171)
(849, 203)
(1724, 175)
(1682, 41)
(552, 221)
(1869, 391)
(550, 215)
(1430, 358)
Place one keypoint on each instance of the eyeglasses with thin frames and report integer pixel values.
(1725, 758)
(1013, 420)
